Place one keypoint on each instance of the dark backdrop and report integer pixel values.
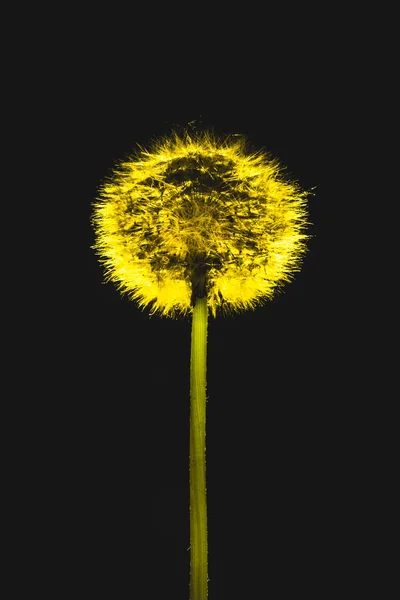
(283, 460)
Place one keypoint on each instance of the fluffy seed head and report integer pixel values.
(197, 215)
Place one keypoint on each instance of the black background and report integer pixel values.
(285, 459)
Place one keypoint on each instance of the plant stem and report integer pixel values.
(198, 499)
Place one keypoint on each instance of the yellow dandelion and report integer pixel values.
(197, 223)
(197, 216)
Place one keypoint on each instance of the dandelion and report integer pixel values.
(192, 225)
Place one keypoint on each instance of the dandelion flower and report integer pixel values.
(195, 223)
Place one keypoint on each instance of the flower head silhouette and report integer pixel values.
(196, 215)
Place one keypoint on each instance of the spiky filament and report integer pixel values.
(198, 500)
(197, 204)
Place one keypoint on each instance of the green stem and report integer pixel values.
(198, 500)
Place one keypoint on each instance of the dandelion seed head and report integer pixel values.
(197, 215)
